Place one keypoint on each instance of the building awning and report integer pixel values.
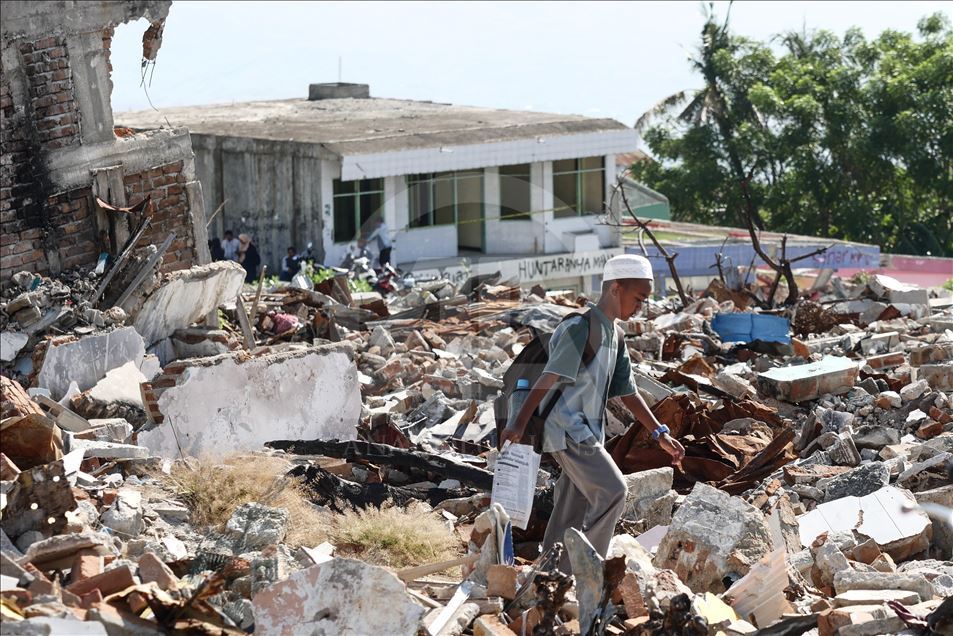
(471, 156)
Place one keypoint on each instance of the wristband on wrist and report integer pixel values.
(661, 430)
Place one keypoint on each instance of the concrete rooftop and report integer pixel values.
(370, 125)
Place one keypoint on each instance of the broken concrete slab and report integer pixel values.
(809, 381)
(109, 450)
(588, 568)
(875, 597)
(87, 361)
(53, 626)
(185, 297)
(120, 385)
(11, 342)
(891, 290)
(848, 580)
(884, 516)
(713, 535)
(235, 402)
(341, 596)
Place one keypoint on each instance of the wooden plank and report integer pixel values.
(410, 574)
(120, 262)
(245, 323)
(254, 307)
(146, 270)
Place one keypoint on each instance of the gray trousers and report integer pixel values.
(589, 496)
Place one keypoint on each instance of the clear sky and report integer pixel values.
(601, 59)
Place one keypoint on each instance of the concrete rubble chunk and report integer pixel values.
(927, 474)
(914, 390)
(859, 482)
(828, 561)
(184, 297)
(939, 377)
(87, 361)
(254, 526)
(942, 532)
(637, 559)
(649, 497)
(151, 568)
(380, 337)
(216, 405)
(124, 516)
(805, 382)
(341, 596)
(713, 535)
(875, 437)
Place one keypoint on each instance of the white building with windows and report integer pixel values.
(461, 189)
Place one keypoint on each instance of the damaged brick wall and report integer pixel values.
(166, 186)
(56, 130)
(53, 122)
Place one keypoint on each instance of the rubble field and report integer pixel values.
(188, 454)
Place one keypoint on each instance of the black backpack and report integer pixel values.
(529, 365)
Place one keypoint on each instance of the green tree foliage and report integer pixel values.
(833, 136)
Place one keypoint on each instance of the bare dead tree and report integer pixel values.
(718, 257)
(782, 267)
(643, 226)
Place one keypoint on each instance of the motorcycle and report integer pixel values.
(305, 263)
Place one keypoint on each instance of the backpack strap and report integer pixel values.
(593, 342)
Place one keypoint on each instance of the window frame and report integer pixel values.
(523, 216)
(358, 193)
(431, 180)
(577, 206)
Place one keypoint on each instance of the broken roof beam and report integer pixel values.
(385, 455)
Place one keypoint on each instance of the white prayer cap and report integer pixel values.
(627, 266)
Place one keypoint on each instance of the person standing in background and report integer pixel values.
(248, 257)
(382, 234)
(289, 267)
(230, 246)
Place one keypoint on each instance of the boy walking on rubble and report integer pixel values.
(590, 494)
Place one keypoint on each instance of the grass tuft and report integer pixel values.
(214, 489)
(391, 536)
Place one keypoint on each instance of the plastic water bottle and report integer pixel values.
(517, 397)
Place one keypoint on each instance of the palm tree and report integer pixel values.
(717, 102)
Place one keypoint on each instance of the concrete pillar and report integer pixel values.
(550, 243)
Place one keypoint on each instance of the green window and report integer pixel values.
(515, 192)
(355, 203)
(578, 186)
(441, 198)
